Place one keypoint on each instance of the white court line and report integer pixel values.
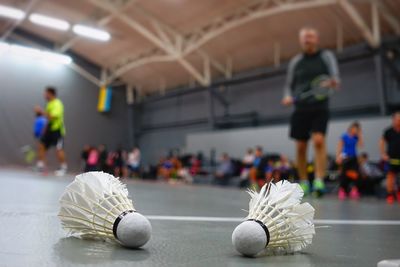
(233, 219)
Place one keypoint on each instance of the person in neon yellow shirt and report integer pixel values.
(55, 131)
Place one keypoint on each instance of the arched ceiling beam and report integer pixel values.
(153, 38)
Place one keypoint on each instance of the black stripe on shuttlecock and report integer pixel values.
(263, 227)
(119, 218)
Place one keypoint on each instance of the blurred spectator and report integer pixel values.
(39, 123)
(92, 160)
(195, 164)
(247, 162)
(172, 168)
(269, 171)
(284, 167)
(119, 160)
(370, 175)
(184, 174)
(346, 158)
(224, 170)
(200, 157)
(165, 168)
(367, 169)
(103, 154)
(134, 161)
(84, 156)
(110, 163)
(256, 175)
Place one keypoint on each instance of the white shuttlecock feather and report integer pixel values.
(96, 206)
(276, 222)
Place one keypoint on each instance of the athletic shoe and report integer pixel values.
(319, 185)
(41, 170)
(390, 199)
(60, 172)
(354, 194)
(305, 185)
(342, 194)
(318, 188)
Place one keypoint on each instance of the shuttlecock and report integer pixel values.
(96, 206)
(277, 222)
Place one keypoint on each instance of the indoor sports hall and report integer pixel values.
(200, 133)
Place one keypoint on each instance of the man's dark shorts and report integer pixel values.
(53, 138)
(305, 122)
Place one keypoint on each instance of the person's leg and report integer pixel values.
(117, 171)
(319, 161)
(320, 155)
(319, 126)
(343, 181)
(343, 186)
(301, 162)
(41, 156)
(253, 178)
(61, 156)
(300, 128)
(355, 178)
(390, 186)
(124, 172)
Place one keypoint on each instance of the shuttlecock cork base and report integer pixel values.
(276, 222)
(132, 229)
(96, 206)
(250, 237)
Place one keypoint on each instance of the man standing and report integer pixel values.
(311, 113)
(54, 132)
(389, 147)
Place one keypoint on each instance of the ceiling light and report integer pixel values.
(91, 33)
(11, 12)
(49, 22)
(33, 53)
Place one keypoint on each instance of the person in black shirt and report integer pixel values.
(311, 113)
(390, 151)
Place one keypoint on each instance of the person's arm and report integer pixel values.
(331, 62)
(339, 150)
(287, 90)
(382, 149)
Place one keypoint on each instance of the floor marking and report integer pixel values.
(220, 219)
(234, 219)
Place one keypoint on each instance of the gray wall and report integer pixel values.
(22, 81)
(275, 138)
(359, 90)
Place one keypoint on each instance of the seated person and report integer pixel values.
(195, 165)
(257, 171)
(247, 163)
(367, 169)
(92, 160)
(224, 170)
(371, 176)
(134, 161)
(165, 168)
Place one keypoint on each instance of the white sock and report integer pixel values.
(63, 166)
(319, 179)
(40, 164)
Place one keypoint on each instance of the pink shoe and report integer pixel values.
(354, 194)
(342, 194)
